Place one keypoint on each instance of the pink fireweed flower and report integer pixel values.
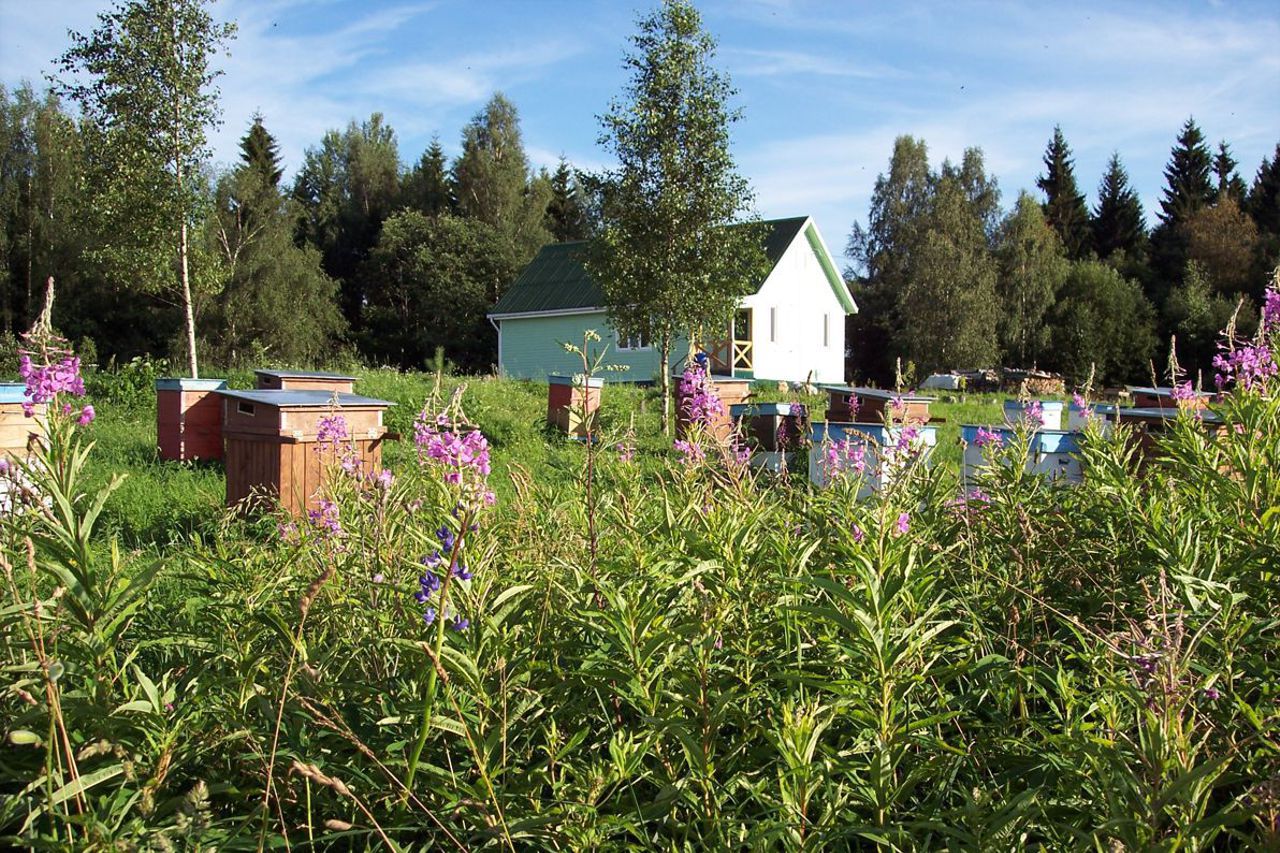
(87, 414)
(903, 525)
(332, 432)
(325, 519)
(1271, 310)
(1248, 367)
(625, 451)
(57, 375)
(988, 436)
(847, 456)
(858, 534)
(463, 457)
(1182, 392)
(1034, 413)
(701, 404)
(691, 452)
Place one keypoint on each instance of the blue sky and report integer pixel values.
(824, 85)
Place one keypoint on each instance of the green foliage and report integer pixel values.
(1102, 321)
(275, 301)
(143, 82)
(1196, 313)
(426, 188)
(665, 259)
(567, 217)
(1064, 207)
(429, 282)
(1032, 269)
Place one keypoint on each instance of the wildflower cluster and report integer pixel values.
(1034, 414)
(463, 455)
(431, 588)
(986, 436)
(700, 404)
(1183, 392)
(54, 373)
(325, 519)
(845, 456)
(1081, 405)
(691, 451)
(1250, 365)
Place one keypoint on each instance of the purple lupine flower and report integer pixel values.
(446, 537)
(460, 624)
(903, 524)
(428, 585)
(459, 571)
(429, 615)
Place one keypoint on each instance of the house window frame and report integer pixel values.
(636, 342)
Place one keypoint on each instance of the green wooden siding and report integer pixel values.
(532, 348)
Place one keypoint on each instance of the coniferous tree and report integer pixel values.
(1118, 222)
(1064, 206)
(566, 213)
(1264, 195)
(1188, 188)
(1228, 181)
(274, 296)
(426, 188)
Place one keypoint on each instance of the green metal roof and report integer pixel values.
(555, 281)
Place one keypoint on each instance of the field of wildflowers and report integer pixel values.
(508, 640)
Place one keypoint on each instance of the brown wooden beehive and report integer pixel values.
(304, 380)
(730, 391)
(17, 431)
(1162, 398)
(569, 400)
(1151, 422)
(189, 419)
(272, 447)
(848, 403)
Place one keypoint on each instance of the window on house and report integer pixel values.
(632, 341)
(826, 330)
(773, 325)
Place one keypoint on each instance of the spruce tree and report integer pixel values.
(566, 214)
(426, 187)
(1118, 224)
(1264, 196)
(1188, 186)
(1064, 207)
(260, 152)
(1229, 182)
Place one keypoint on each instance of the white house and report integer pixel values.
(791, 328)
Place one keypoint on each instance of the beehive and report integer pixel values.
(569, 400)
(771, 427)
(882, 460)
(304, 380)
(189, 419)
(1015, 411)
(730, 391)
(1149, 423)
(1145, 397)
(16, 429)
(847, 403)
(1051, 452)
(272, 446)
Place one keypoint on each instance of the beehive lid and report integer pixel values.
(739, 410)
(304, 374)
(876, 393)
(837, 430)
(593, 382)
(1160, 391)
(306, 399)
(179, 384)
(1051, 405)
(1157, 414)
(12, 392)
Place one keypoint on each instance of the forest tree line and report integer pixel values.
(388, 261)
(947, 280)
(359, 252)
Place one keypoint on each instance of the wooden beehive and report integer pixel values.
(569, 399)
(730, 391)
(304, 380)
(189, 419)
(1162, 398)
(272, 445)
(771, 427)
(848, 403)
(1054, 453)
(17, 431)
(1151, 422)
